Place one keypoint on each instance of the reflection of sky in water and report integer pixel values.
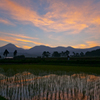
(26, 86)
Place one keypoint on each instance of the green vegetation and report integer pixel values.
(49, 68)
(74, 65)
(83, 61)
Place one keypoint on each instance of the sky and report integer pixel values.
(28, 23)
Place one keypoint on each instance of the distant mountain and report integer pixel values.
(11, 48)
(38, 50)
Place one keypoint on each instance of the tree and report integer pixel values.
(46, 54)
(93, 53)
(88, 53)
(56, 54)
(62, 54)
(81, 54)
(15, 53)
(6, 53)
(74, 54)
(67, 53)
(77, 55)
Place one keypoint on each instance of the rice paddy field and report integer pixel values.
(50, 80)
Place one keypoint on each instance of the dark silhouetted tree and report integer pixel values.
(74, 54)
(67, 53)
(93, 53)
(15, 53)
(81, 54)
(77, 55)
(6, 53)
(62, 54)
(87, 53)
(56, 54)
(46, 54)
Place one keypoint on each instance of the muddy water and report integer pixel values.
(27, 86)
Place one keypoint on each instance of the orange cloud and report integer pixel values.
(17, 39)
(92, 43)
(73, 17)
(8, 39)
(83, 46)
(96, 20)
(61, 16)
(6, 22)
(18, 35)
(23, 40)
(37, 43)
(88, 44)
(21, 13)
(21, 36)
(26, 47)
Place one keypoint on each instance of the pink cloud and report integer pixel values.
(5, 21)
(30, 41)
(17, 35)
(19, 39)
(87, 44)
(61, 16)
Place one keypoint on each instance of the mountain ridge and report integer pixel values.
(10, 44)
(38, 50)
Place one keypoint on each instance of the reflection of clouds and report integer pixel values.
(52, 86)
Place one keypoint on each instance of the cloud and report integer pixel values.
(92, 43)
(73, 16)
(8, 39)
(5, 21)
(19, 39)
(17, 35)
(96, 20)
(61, 16)
(37, 43)
(21, 36)
(26, 47)
(88, 44)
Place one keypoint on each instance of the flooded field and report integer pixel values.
(47, 86)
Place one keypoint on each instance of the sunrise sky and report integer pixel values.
(27, 23)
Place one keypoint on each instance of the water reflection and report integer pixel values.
(26, 86)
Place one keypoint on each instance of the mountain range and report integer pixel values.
(38, 50)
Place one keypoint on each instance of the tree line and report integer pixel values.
(66, 54)
(56, 54)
